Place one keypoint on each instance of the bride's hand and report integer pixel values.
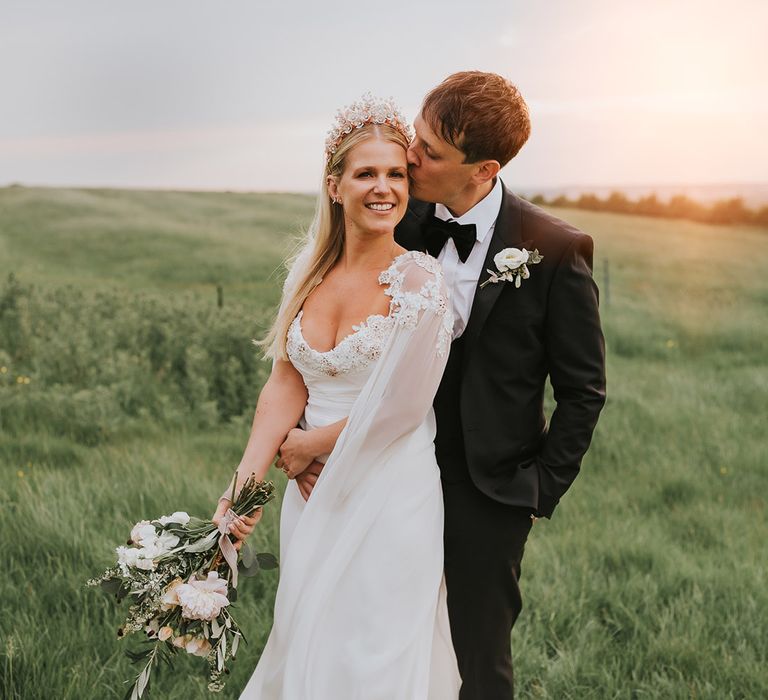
(243, 525)
(296, 453)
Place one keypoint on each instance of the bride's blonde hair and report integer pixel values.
(323, 242)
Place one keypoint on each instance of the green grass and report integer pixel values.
(649, 582)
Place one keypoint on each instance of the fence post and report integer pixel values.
(219, 295)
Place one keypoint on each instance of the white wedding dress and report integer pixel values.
(360, 612)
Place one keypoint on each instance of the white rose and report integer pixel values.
(145, 557)
(179, 517)
(203, 600)
(126, 556)
(510, 259)
(170, 599)
(143, 533)
(166, 542)
(145, 564)
(153, 626)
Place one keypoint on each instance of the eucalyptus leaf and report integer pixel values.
(144, 679)
(204, 544)
(248, 555)
(112, 585)
(195, 522)
(251, 570)
(267, 560)
(216, 628)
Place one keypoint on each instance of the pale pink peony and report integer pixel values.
(203, 600)
(198, 646)
(181, 642)
(170, 597)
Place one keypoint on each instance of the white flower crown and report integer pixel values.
(368, 110)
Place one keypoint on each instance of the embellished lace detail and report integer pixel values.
(355, 352)
(363, 346)
(405, 305)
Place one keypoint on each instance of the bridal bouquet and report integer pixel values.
(180, 573)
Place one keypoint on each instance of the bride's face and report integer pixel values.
(373, 187)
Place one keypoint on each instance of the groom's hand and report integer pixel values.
(296, 453)
(308, 478)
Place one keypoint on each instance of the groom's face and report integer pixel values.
(437, 169)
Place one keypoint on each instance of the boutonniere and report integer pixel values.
(512, 265)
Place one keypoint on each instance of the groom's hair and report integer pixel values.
(482, 114)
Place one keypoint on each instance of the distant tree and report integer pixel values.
(726, 211)
(648, 206)
(590, 202)
(682, 207)
(562, 201)
(617, 201)
(729, 211)
(539, 200)
(761, 217)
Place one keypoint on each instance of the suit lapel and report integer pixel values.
(408, 232)
(506, 234)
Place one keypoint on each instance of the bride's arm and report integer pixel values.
(279, 408)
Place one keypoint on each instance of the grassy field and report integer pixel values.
(126, 392)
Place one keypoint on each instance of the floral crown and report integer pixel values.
(368, 110)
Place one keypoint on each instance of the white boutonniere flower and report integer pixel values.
(512, 266)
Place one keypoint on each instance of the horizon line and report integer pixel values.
(239, 190)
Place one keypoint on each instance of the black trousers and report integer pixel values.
(484, 543)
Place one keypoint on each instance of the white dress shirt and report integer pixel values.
(461, 277)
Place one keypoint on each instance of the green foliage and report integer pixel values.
(649, 581)
(91, 364)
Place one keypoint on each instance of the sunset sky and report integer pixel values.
(239, 95)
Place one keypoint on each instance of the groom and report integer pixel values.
(502, 466)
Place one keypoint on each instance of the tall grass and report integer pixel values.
(649, 581)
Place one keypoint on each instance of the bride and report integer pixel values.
(359, 346)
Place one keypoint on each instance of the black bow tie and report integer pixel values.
(437, 232)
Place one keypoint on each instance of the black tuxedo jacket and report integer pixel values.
(514, 339)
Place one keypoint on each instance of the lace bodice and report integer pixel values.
(356, 353)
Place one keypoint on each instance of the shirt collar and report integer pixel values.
(483, 215)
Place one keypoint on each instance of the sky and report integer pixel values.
(239, 95)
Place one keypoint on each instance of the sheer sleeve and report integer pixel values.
(397, 398)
